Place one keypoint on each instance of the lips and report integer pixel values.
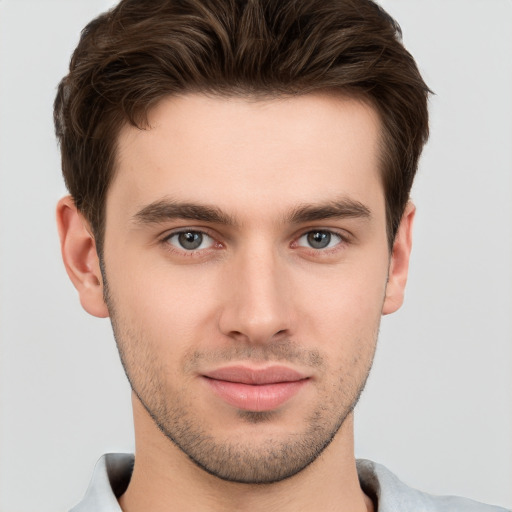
(255, 389)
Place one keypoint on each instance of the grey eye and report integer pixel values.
(319, 239)
(190, 240)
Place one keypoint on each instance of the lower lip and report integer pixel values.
(257, 398)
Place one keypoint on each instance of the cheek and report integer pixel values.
(342, 317)
(179, 305)
(168, 305)
(349, 299)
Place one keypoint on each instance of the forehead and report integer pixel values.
(250, 153)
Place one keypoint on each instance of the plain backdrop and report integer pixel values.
(438, 407)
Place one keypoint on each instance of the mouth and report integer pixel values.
(253, 389)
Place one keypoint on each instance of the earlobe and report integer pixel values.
(80, 258)
(399, 262)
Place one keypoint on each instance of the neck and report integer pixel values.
(163, 476)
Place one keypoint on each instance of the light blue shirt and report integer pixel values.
(113, 472)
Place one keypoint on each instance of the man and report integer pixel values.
(239, 176)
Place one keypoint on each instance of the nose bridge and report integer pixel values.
(258, 306)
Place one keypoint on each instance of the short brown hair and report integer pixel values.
(143, 50)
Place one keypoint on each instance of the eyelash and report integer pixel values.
(166, 241)
(343, 240)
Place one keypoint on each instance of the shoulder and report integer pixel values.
(392, 495)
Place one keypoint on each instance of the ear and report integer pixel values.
(399, 262)
(80, 258)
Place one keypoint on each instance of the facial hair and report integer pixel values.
(239, 459)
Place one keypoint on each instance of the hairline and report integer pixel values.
(348, 93)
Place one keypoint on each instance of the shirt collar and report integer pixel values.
(109, 480)
(113, 471)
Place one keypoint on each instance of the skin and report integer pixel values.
(254, 293)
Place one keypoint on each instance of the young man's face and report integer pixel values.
(247, 268)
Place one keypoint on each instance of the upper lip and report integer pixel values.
(255, 376)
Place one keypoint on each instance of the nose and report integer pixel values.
(257, 308)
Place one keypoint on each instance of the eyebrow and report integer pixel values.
(167, 209)
(339, 209)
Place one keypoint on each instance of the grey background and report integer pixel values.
(438, 406)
